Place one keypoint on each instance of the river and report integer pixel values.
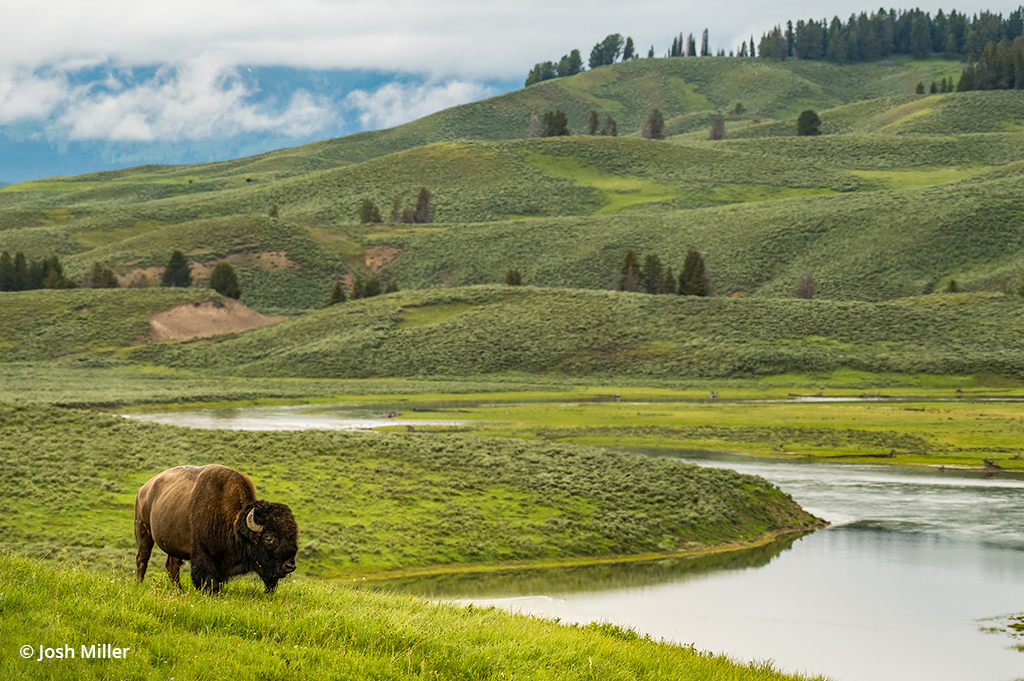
(899, 587)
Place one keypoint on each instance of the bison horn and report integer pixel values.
(250, 522)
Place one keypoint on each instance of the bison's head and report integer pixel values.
(272, 539)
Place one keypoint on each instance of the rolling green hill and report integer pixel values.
(900, 193)
(519, 331)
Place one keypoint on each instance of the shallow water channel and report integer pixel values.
(899, 587)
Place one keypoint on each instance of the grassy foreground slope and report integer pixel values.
(494, 330)
(370, 502)
(312, 630)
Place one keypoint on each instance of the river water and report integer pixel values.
(914, 566)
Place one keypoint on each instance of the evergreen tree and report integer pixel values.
(935, 87)
(392, 287)
(224, 281)
(373, 288)
(337, 294)
(650, 52)
(358, 288)
(178, 271)
(920, 37)
(513, 278)
(808, 123)
(593, 123)
(654, 128)
(952, 287)
(366, 212)
(575, 63)
(949, 51)
(101, 277)
(628, 51)
(668, 282)
(919, 89)
(967, 77)
(691, 46)
(753, 52)
(20, 281)
(607, 51)
(705, 48)
(274, 211)
(424, 207)
(396, 211)
(651, 275)
(51, 275)
(629, 273)
(836, 51)
(717, 128)
(6, 272)
(555, 123)
(610, 127)
(692, 280)
(804, 287)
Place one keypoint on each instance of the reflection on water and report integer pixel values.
(894, 590)
(304, 417)
(585, 578)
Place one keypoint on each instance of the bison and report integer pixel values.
(210, 515)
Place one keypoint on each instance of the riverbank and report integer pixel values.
(382, 578)
(969, 430)
(373, 502)
(311, 629)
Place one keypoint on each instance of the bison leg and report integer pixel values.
(173, 566)
(205, 574)
(144, 540)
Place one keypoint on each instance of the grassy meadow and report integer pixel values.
(371, 504)
(310, 628)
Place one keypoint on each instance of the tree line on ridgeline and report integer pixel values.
(652, 277)
(18, 274)
(881, 34)
(693, 280)
(421, 213)
(983, 37)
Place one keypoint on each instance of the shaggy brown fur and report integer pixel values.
(202, 514)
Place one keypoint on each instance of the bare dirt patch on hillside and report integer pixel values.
(201, 271)
(204, 319)
(379, 257)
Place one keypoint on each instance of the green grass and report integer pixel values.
(371, 503)
(524, 334)
(943, 432)
(310, 629)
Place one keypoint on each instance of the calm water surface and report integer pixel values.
(896, 588)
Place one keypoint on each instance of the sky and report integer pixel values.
(99, 84)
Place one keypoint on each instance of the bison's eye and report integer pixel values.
(268, 539)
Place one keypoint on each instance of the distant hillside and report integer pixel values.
(921, 176)
(509, 330)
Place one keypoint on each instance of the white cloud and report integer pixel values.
(200, 98)
(28, 96)
(462, 39)
(394, 104)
